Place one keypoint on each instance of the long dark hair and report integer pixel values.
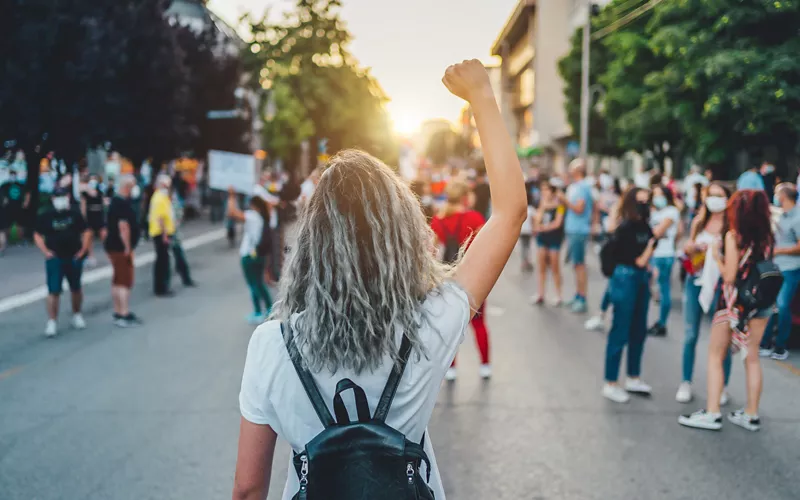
(259, 205)
(627, 207)
(748, 214)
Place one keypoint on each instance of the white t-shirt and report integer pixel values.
(273, 395)
(252, 231)
(666, 245)
(527, 226)
(271, 199)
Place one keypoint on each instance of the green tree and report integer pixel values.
(732, 75)
(318, 88)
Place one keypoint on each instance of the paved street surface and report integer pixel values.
(152, 413)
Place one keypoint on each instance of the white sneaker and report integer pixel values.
(636, 385)
(51, 329)
(485, 371)
(615, 393)
(595, 323)
(702, 419)
(78, 322)
(742, 419)
(450, 375)
(684, 394)
(765, 352)
(725, 398)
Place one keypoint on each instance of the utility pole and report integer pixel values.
(585, 92)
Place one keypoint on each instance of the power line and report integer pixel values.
(625, 20)
(619, 9)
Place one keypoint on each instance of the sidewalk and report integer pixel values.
(22, 268)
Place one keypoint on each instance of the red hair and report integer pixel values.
(748, 214)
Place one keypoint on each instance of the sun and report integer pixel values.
(405, 122)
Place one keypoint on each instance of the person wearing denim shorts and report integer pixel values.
(64, 238)
(706, 230)
(578, 225)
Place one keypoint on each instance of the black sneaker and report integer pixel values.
(133, 319)
(780, 354)
(657, 331)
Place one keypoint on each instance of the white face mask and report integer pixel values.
(606, 182)
(61, 203)
(716, 204)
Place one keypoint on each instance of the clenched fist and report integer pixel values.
(468, 80)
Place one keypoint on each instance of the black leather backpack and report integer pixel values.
(365, 459)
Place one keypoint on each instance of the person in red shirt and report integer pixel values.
(455, 227)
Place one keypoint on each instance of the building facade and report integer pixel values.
(530, 45)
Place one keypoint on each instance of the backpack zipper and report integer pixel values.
(410, 472)
(303, 473)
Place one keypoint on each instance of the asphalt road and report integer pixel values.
(151, 413)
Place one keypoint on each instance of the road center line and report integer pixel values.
(105, 272)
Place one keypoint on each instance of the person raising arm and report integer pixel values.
(487, 255)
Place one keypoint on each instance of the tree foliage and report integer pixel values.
(317, 87)
(711, 79)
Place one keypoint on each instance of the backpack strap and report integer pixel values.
(306, 379)
(362, 405)
(394, 380)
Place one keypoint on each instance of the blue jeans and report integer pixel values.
(664, 267)
(630, 295)
(605, 303)
(693, 316)
(791, 279)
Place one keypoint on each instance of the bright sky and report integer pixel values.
(408, 44)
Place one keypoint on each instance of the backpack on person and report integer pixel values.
(362, 459)
(760, 288)
(452, 243)
(608, 257)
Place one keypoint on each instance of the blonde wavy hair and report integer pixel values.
(361, 267)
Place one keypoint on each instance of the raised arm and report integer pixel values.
(489, 252)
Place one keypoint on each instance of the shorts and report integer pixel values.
(576, 248)
(122, 266)
(551, 244)
(11, 216)
(59, 268)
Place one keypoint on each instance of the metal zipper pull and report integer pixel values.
(303, 473)
(410, 472)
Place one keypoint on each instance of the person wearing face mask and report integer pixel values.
(705, 231)
(630, 296)
(64, 238)
(767, 172)
(664, 220)
(787, 258)
(162, 225)
(93, 210)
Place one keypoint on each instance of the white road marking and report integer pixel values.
(105, 272)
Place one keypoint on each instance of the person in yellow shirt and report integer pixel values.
(161, 222)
